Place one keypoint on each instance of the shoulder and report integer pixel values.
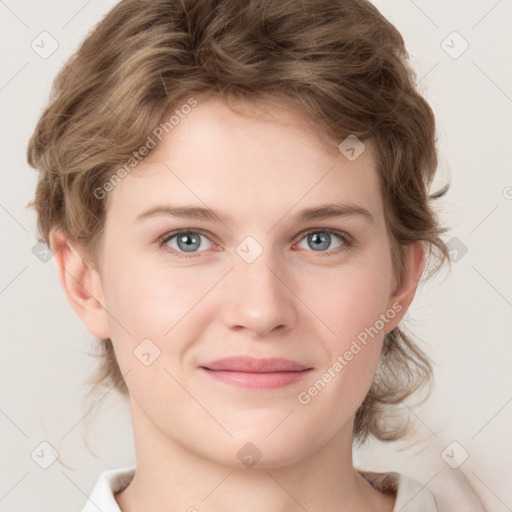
(410, 495)
(108, 484)
(451, 493)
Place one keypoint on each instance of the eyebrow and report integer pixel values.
(321, 212)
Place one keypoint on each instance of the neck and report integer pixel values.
(171, 478)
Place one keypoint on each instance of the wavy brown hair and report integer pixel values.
(339, 63)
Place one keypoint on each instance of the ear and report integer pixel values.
(401, 298)
(81, 283)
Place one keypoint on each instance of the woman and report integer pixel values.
(237, 197)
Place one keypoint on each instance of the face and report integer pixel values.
(262, 282)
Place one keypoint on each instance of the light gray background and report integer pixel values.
(462, 318)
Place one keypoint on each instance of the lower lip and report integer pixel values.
(263, 381)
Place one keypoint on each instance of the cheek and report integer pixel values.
(350, 299)
(353, 306)
(154, 301)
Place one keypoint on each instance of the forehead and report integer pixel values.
(214, 119)
(261, 157)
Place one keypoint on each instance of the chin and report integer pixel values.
(254, 450)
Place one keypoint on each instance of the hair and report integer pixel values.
(340, 63)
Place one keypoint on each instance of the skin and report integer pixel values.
(291, 302)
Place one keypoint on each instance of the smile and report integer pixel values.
(253, 373)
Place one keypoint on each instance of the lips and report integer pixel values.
(254, 365)
(255, 373)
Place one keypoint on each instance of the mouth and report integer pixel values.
(254, 373)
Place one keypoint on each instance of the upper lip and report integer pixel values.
(254, 365)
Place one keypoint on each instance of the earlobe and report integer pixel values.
(402, 296)
(81, 284)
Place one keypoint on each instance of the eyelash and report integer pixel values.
(348, 241)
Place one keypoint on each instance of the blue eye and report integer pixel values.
(186, 243)
(320, 241)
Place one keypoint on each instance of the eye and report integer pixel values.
(184, 241)
(321, 240)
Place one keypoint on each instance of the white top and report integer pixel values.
(410, 495)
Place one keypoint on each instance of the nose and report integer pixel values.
(257, 297)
